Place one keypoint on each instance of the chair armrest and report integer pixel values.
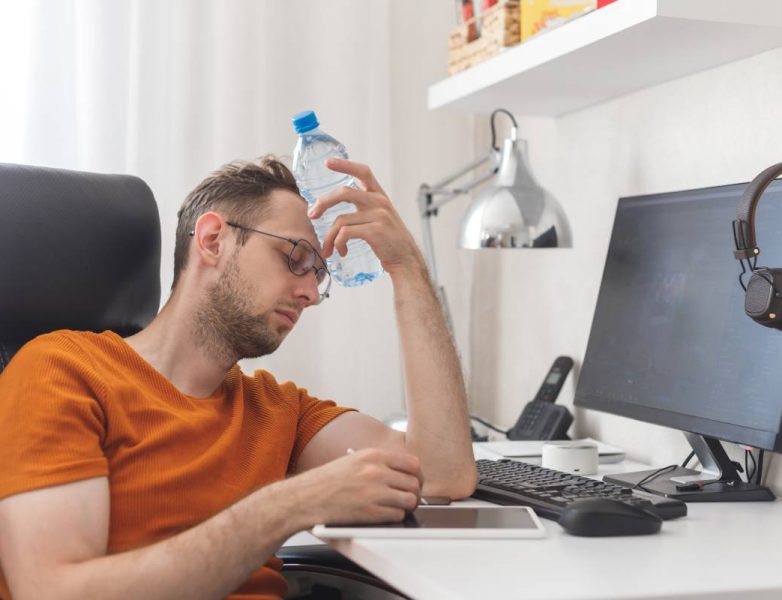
(321, 558)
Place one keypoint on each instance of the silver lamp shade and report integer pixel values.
(515, 211)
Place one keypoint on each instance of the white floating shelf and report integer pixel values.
(620, 48)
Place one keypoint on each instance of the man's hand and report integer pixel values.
(366, 486)
(375, 220)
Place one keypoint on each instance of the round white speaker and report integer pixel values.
(579, 458)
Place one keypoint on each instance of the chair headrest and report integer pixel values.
(77, 251)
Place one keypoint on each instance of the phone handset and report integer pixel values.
(552, 384)
(541, 419)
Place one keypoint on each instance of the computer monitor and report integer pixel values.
(670, 343)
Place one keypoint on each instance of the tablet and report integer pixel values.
(481, 522)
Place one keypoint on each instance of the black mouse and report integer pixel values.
(605, 516)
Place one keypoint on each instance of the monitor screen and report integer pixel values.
(670, 343)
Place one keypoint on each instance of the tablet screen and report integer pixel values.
(465, 518)
(448, 521)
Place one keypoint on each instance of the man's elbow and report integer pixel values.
(460, 485)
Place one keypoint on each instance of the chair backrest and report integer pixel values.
(77, 251)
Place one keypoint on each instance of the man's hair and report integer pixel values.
(239, 191)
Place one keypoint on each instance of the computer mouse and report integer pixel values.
(605, 516)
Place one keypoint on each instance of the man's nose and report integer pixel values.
(308, 288)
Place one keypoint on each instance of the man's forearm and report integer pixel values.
(438, 422)
(208, 561)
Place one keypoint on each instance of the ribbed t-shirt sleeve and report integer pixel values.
(51, 423)
(313, 415)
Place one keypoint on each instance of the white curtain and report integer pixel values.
(171, 90)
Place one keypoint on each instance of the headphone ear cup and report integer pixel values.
(763, 300)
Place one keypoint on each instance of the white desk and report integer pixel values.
(721, 550)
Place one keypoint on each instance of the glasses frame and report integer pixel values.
(295, 243)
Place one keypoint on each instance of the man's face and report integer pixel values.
(257, 300)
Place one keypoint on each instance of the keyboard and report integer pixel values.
(548, 492)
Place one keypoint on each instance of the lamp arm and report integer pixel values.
(450, 193)
(428, 205)
(464, 170)
(426, 224)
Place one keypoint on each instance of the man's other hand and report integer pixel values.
(366, 486)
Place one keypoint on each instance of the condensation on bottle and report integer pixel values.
(315, 180)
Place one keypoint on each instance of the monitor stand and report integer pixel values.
(719, 478)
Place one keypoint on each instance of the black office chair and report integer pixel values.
(78, 251)
(82, 251)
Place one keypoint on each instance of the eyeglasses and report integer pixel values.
(302, 259)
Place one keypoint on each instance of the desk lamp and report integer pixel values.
(512, 211)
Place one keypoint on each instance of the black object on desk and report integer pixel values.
(598, 517)
(541, 419)
(550, 492)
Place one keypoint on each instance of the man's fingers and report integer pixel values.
(341, 237)
(407, 501)
(406, 463)
(359, 198)
(404, 483)
(361, 172)
(343, 221)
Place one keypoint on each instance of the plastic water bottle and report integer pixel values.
(315, 179)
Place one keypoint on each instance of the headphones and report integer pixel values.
(763, 299)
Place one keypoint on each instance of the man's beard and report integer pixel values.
(225, 325)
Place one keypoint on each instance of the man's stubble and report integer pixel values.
(227, 327)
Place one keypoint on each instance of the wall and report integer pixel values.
(717, 127)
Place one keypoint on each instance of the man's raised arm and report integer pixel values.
(438, 429)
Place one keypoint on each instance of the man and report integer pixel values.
(151, 467)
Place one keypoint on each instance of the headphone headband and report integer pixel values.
(744, 225)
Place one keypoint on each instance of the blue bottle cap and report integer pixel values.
(305, 121)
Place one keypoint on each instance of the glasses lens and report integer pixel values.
(304, 258)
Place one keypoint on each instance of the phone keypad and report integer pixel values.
(531, 415)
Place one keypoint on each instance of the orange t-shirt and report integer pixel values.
(77, 405)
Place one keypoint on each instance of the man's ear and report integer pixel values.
(210, 238)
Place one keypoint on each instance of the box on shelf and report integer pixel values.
(499, 28)
(540, 15)
(468, 18)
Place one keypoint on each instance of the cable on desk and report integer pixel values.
(489, 425)
(653, 475)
